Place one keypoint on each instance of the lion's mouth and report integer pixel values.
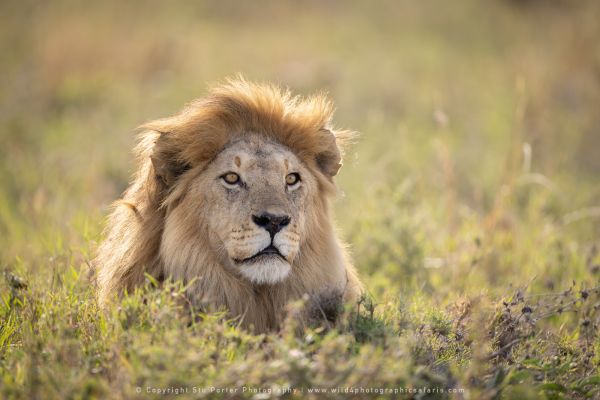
(270, 251)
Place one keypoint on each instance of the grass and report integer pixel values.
(471, 200)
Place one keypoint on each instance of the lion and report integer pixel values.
(232, 197)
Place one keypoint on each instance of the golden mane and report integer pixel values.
(237, 107)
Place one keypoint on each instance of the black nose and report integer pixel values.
(272, 223)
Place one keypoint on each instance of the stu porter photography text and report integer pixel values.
(176, 390)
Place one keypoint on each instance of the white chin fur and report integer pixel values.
(266, 272)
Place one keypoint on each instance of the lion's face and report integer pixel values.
(252, 199)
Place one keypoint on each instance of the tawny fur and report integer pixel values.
(174, 153)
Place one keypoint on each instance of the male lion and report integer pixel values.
(232, 198)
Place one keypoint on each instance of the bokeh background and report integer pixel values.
(477, 168)
(475, 116)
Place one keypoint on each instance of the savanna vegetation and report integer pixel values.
(471, 200)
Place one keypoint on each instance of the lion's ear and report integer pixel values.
(329, 159)
(167, 164)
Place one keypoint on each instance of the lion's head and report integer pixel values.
(250, 203)
(232, 196)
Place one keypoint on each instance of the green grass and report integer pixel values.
(470, 201)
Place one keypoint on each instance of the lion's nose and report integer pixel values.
(271, 222)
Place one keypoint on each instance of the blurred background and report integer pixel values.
(478, 160)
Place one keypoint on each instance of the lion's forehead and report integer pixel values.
(256, 154)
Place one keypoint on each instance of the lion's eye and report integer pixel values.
(292, 179)
(231, 178)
